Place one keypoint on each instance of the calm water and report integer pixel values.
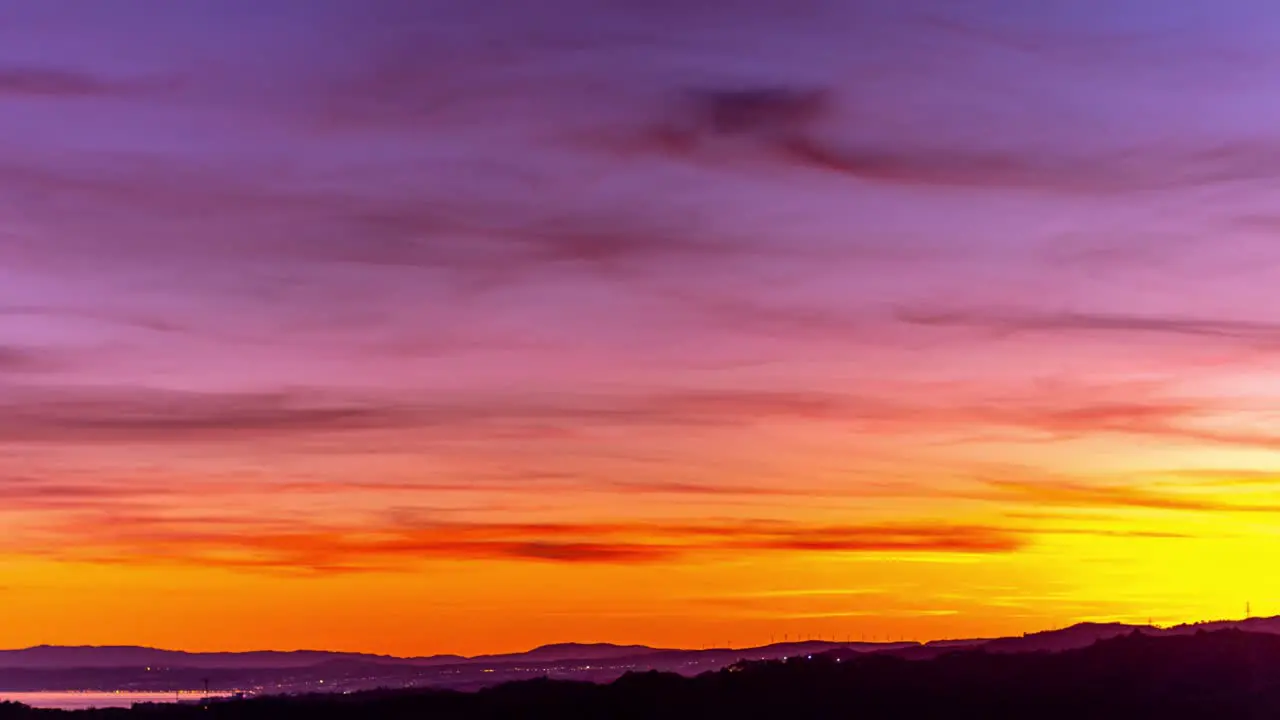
(85, 700)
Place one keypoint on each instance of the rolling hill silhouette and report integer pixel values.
(1197, 673)
(1075, 636)
(52, 668)
(571, 651)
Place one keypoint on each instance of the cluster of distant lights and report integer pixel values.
(322, 682)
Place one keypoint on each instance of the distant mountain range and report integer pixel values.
(53, 657)
(139, 668)
(61, 657)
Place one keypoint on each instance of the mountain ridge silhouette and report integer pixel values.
(1083, 634)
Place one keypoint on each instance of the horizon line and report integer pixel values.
(805, 641)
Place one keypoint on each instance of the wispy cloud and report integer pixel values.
(163, 416)
(151, 539)
(147, 322)
(485, 239)
(27, 493)
(1215, 477)
(22, 360)
(32, 82)
(797, 125)
(1017, 322)
(147, 416)
(1068, 493)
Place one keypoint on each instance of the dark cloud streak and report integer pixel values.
(150, 416)
(1016, 322)
(146, 417)
(44, 82)
(804, 127)
(22, 360)
(148, 540)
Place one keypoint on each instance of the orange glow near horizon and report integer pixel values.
(980, 557)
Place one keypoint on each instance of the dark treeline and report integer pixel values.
(1228, 674)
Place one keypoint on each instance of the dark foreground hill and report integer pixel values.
(1220, 675)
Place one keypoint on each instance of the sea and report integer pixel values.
(86, 700)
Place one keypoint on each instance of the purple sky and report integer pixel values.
(191, 187)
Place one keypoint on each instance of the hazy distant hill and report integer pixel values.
(137, 668)
(49, 657)
(571, 651)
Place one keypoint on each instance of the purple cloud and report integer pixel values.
(33, 82)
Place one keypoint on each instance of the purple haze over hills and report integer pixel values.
(50, 657)
(47, 657)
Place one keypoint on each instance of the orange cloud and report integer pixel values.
(230, 541)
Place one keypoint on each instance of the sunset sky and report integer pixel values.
(470, 325)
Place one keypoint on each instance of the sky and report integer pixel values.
(465, 326)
